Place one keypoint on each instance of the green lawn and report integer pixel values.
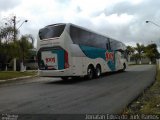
(12, 74)
(149, 102)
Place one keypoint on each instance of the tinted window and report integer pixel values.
(51, 31)
(116, 45)
(79, 36)
(83, 37)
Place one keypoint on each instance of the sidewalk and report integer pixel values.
(17, 78)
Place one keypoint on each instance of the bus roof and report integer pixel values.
(55, 24)
(68, 24)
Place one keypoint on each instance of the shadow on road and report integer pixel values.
(82, 79)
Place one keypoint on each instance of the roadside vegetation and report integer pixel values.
(149, 101)
(13, 45)
(141, 51)
(14, 74)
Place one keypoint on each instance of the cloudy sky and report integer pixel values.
(123, 20)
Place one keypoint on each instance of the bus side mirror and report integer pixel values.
(107, 46)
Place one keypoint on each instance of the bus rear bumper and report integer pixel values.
(54, 73)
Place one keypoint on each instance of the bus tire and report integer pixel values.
(124, 67)
(98, 71)
(76, 77)
(90, 72)
(64, 78)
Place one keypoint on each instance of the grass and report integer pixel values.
(149, 101)
(14, 74)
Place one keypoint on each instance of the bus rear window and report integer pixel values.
(51, 31)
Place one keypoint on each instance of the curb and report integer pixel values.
(18, 78)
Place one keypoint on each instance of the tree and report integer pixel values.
(24, 47)
(9, 46)
(135, 57)
(151, 52)
(7, 30)
(130, 50)
(6, 34)
(6, 39)
(140, 49)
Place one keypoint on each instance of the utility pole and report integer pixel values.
(14, 39)
(14, 28)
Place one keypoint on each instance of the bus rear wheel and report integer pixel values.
(64, 78)
(124, 67)
(90, 72)
(98, 71)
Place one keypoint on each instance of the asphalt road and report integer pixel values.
(109, 94)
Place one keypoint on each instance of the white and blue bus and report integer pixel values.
(68, 50)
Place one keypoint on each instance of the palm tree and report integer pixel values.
(130, 52)
(151, 52)
(140, 50)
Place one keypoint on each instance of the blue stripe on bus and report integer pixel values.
(60, 58)
(94, 53)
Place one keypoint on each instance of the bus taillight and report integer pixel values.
(66, 62)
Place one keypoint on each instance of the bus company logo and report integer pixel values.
(110, 56)
(50, 60)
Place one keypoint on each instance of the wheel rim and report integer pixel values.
(90, 73)
(98, 72)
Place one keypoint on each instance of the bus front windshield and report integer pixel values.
(51, 32)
